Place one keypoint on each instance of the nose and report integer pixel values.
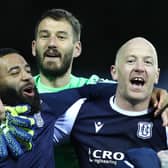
(26, 76)
(139, 66)
(52, 42)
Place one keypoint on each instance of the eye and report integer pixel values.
(43, 34)
(28, 69)
(130, 61)
(148, 62)
(14, 72)
(61, 37)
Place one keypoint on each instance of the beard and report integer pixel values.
(56, 71)
(11, 97)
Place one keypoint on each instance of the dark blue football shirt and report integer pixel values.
(100, 131)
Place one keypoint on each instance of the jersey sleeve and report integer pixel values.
(99, 90)
(94, 79)
(65, 122)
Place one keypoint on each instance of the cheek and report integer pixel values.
(123, 74)
(154, 76)
(41, 44)
(66, 46)
(155, 79)
(4, 82)
(13, 82)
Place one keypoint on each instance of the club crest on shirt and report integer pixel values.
(39, 119)
(144, 130)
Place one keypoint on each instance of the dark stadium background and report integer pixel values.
(106, 25)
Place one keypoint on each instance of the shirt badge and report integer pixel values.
(144, 130)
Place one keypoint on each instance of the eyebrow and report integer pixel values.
(60, 32)
(43, 31)
(147, 56)
(17, 67)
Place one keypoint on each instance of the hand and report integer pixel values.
(159, 101)
(16, 131)
(19, 109)
(23, 125)
(163, 156)
(20, 121)
(20, 126)
(7, 141)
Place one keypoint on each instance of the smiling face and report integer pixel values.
(55, 46)
(16, 81)
(136, 70)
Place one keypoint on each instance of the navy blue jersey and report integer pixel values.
(101, 131)
(41, 155)
(101, 135)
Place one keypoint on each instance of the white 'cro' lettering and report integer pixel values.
(108, 155)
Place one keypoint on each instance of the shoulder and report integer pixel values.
(98, 90)
(93, 79)
(36, 78)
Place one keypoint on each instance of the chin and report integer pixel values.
(138, 97)
(28, 99)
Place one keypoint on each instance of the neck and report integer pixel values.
(55, 81)
(132, 104)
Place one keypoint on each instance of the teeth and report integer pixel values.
(138, 79)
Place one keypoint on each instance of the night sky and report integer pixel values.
(106, 25)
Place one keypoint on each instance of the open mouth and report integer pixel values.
(28, 91)
(137, 81)
(52, 53)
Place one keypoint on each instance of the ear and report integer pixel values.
(113, 72)
(157, 76)
(77, 49)
(34, 48)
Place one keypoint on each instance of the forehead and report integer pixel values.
(139, 48)
(54, 25)
(11, 60)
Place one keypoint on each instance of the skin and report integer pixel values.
(2, 111)
(53, 34)
(55, 49)
(135, 59)
(15, 73)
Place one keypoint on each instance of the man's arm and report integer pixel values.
(65, 123)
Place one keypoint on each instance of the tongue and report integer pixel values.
(137, 86)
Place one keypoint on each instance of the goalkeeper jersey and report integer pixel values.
(74, 83)
(101, 131)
